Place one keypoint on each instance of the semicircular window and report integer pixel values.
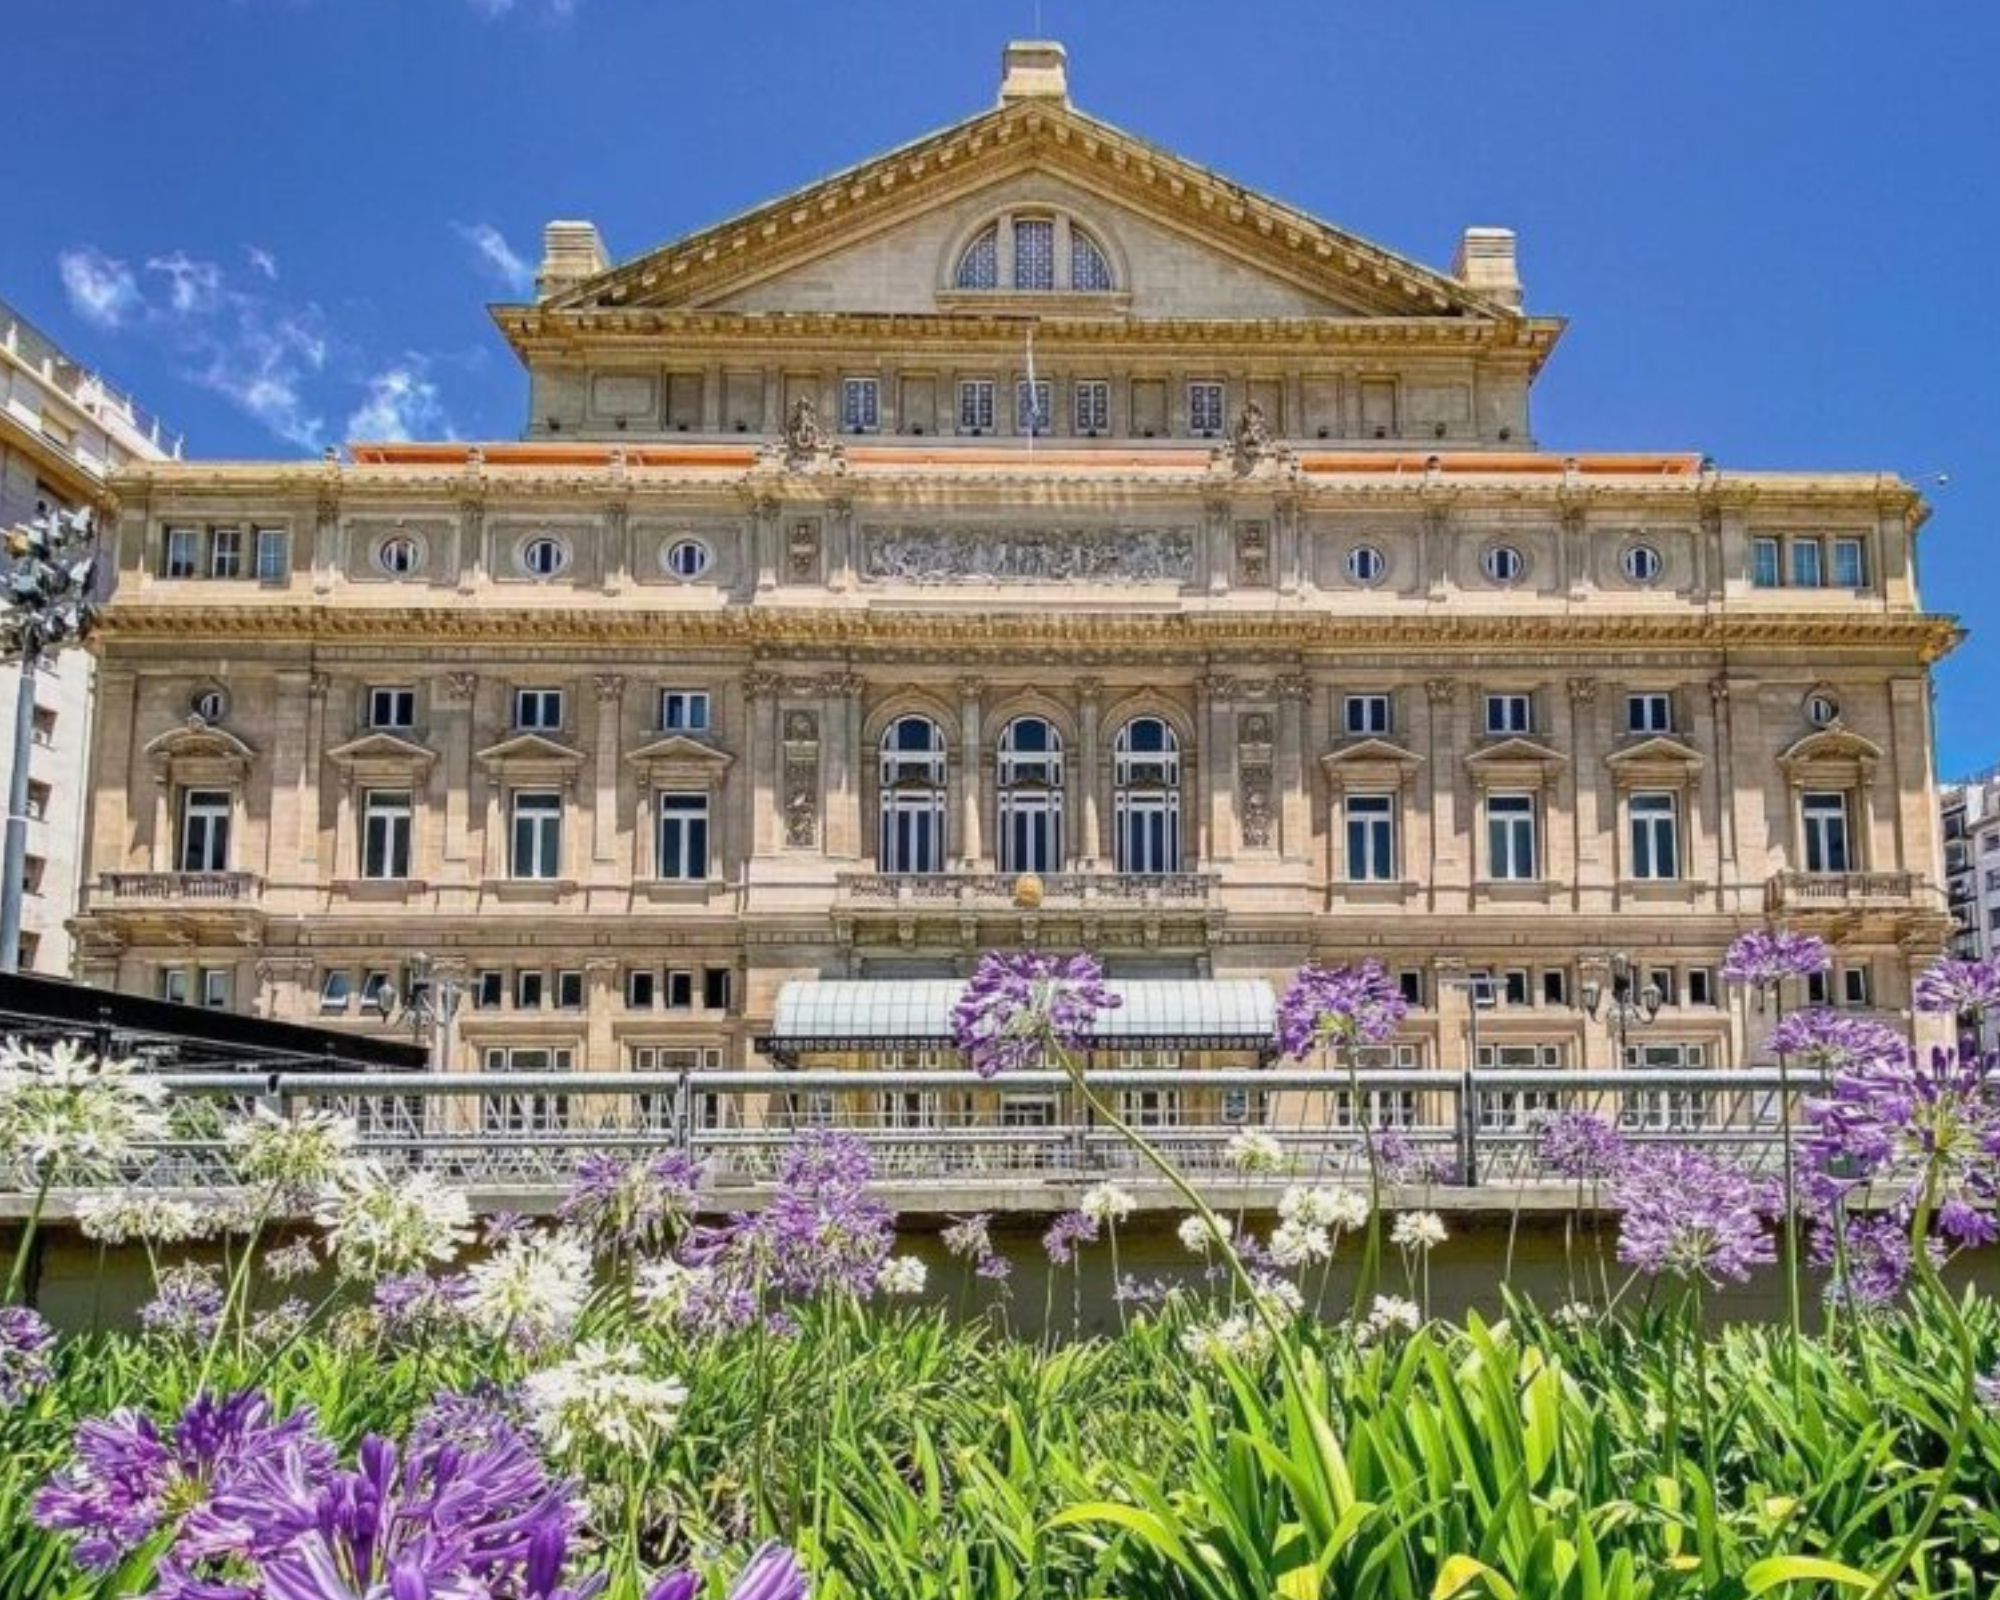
(979, 267)
(1089, 269)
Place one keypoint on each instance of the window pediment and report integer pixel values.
(1655, 758)
(528, 755)
(198, 748)
(382, 752)
(1515, 762)
(679, 759)
(1369, 761)
(1834, 755)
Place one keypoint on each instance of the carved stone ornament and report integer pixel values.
(1252, 446)
(1253, 554)
(460, 685)
(1255, 728)
(801, 802)
(1027, 555)
(1254, 783)
(1583, 691)
(802, 552)
(805, 446)
(1440, 691)
(801, 725)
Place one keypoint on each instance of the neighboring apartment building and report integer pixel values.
(63, 431)
(1971, 813)
(1027, 503)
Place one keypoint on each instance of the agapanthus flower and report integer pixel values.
(129, 1482)
(1871, 1254)
(1339, 1006)
(290, 1262)
(27, 1346)
(1575, 1315)
(1143, 1291)
(1771, 955)
(378, 1222)
(497, 1227)
(1107, 1202)
(420, 1305)
(1065, 1234)
(1324, 1205)
(822, 1231)
(1392, 1314)
(531, 1290)
(477, 1419)
(969, 1236)
(993, 1268)
(1401, 1160)
(1239, 1337)
(1298, 1244)
(64, 1113)
(1195, 1235)
(638, 1204)
(1685, 1212)
(773, 1573)
(1925, 1124)
(123, 1216)
(1418, 1230)
(296, 1156)
(1832, 1041)
(602, 1394)
(902, 1276)
(186, 1305)
(1960, 988)
(664, 1286)
(1579, 1145)
(1251, 1150)
(1024, 1010)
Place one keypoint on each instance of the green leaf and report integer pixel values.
(1460, 1573)
(1774, 1570)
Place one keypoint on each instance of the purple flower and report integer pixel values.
(994, 1269)
(635, 1205)
(1340, 1006)
(128, 1481)
(1580, 1145)
(1687, 1213)
(821, 1229)
(481, 1418)
(1877, 1260)
(500, 1226)
(773, 1573)
(1960, 988)
(415, 1305)
(25, 1342)
(1927, 1126)
(1024, 1010)
(1769, 956)
(1401, 1160)
(187, 1305)
(1065, 1234)
(1833, 1040)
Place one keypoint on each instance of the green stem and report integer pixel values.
(18, 1275)
(1371, 1255)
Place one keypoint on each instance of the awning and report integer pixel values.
(1156, 1014)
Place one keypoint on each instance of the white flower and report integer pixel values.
(1240, 1336)
(293, 1261)
(378, 1224)
(970, 1237)
(1576, 1314)
(1280, 1296)
(665, 1286)
(1106, 1202)
(1390, 1313)
(1293, 1244)
(117, 1216)
(602, 1395)
(1418, 1230)
(902, 1275)
(1196, 1235)
(532, 1288)
(63, 1111)
(1324, 1206)
(1250, 1150)
(300, 1152)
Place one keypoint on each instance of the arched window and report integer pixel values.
(913, 797)
(1089, 269)
(1031, 797)
(1146, 796)
(979, 267)
(1034, 253)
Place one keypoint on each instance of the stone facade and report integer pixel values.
(1276, 641)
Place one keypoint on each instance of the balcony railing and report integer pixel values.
(1187, 889)
(205, 886)
(1847, 891)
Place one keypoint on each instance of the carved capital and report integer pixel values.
(318, 685)
(1294, 687)
(1441, 691)
(459, 686)
(1089, 691)
(761, 684)
(1217, 687)
(1583, 691)
(843, 685)
(610, 686)
(970, 689)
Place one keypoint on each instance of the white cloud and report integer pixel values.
(401, 403)
(101, 290)
(261, 358)
(500, 8)
(496, 256)
(261, 261)
(193, 287)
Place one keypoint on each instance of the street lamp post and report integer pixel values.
(1626, 1004)
(48, 569)
(1478, 989)
(429, 1008)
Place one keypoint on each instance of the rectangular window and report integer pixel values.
(183, 553)
(1510, 837)
(537, 837)
(1662, 980)
(1669, 1109)
(1825, 818)
(538, 709)
(335, 989)
(1819, 988)
(1805, 564)
(1205, 406)
(683, 838)
(32, 868)
(1855, 989)
(531, 1112)
(1092, 399)
(1701, 986)
(1411, 981)
(1509, 713)
(1516, 979)
(376, 985)
(860, 405)
(569, 991)
(217, 986)
(975, 406)
(392, 708)
(639, 986)
(1649, 713)
(42, 726)
(529, 986)
(1656, 848)
(490, 991)
(274, 555)
(1034, 253)
(1850, 564)
(174, 985)
(385, 833)
(683, 711)
(1512, 1110)
(1371, 838)
(205, 830)
(1367, 714)
(1764, 563)
(38, 799)
(1555, 986)
(225, 553)
(1033, 404)
(715, 988)
(680, 989)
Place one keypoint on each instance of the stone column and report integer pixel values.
(600, 1001)
(1591, 882)
(1083, 779)
(610, 688)
(315, 766)
(760, 825)
(346, 862)
(617, 546)
(841, 742)
(765, 540)
(161, 855)
(1450, 864)
(841, 554)
(454, 702)
(1294, 803)
(1217, 536)
(971, 836)
(1218, 766)
(1744, 729)
(1288, 569)
(289, 754)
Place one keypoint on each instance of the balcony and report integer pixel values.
(1849, 891)
(206, 888)
(938, 891)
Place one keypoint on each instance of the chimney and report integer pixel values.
(1034, 69)
(1485, 264)
(571, 252)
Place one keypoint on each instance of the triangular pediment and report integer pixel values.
(196, 740)
(1515, 751)
(1372, 752)
(890, 222)
(1831, 744)
(526, 749)
(678, 747)
(1654, 751)
(381, 749)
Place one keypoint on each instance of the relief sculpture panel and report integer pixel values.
(1027, 555)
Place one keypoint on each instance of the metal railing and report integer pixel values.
(958, 1140)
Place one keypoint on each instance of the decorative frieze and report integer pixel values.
(1026, 555)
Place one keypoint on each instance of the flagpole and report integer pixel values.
(1034, 407)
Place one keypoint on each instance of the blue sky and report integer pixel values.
(278, 221)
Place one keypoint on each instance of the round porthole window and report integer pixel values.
(1642, 563)
(1366, 564)
(686, 558)
(1822, 710)
(544, 556)
(210, 703)
(1503, 563)
(399, 555)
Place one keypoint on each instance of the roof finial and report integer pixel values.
(1034, 69)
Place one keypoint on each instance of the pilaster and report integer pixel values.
(1085, 779)
(1294, 803)
(971, 840)
(610, 687)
